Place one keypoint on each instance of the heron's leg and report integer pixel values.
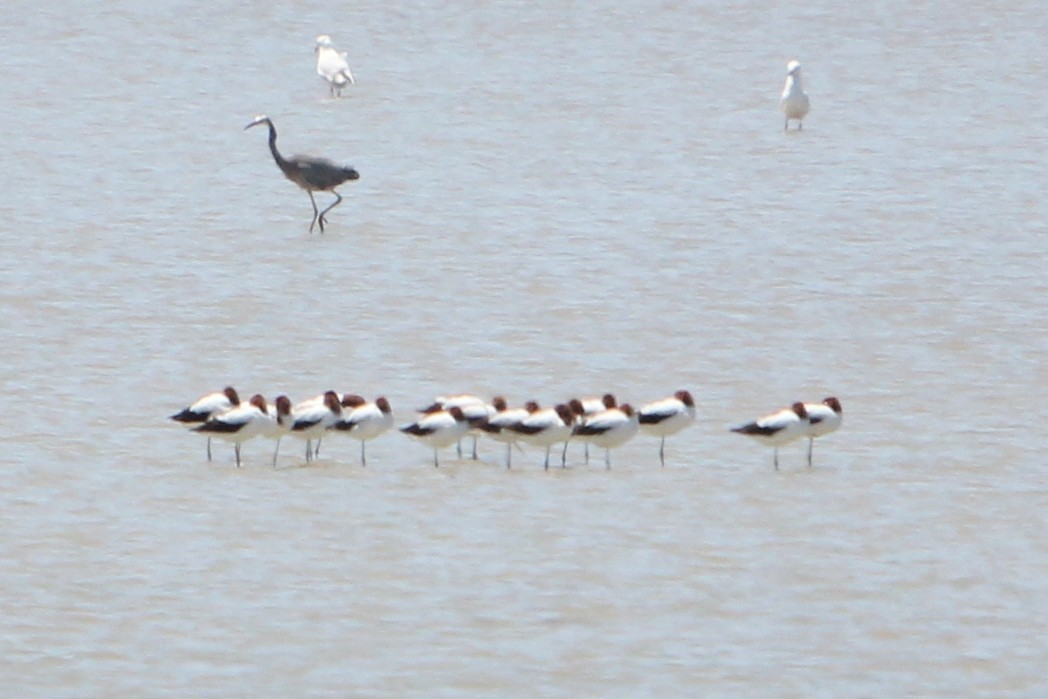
(315, 214)
(338, 200)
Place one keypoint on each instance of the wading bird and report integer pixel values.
(547, 427)
(794, 103)
(439, 428)
(239, 424)
(778, 428)
(207, 406)
(608, 429)
(311, 418)
(365, 422)
(584, 407)
(309, 173)
(823, 418)
(500, 425)
(666, 417)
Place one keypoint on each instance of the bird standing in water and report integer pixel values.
(332, 65)
(794, 102)
(778, 428)
(823, 418)
(310, 173)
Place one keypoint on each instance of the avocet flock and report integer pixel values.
(447, 420)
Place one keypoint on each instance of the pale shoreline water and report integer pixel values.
(554, 202)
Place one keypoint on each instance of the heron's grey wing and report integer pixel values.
(320, 172)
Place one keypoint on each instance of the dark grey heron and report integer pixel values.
(309, 173)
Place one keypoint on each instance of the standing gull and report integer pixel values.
(332, 66)
(309, 173)
(794, 103)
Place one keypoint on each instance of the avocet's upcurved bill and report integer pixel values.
(823, 418)
(309, 419)
(438, 429)
(500, 425)
(206, 406)
(778, 428)
(666, 417)
(794, 103)
(239, 424)
(332, 65)
(608, 429)
(545, 428)
(365, 422)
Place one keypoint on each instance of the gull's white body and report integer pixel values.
(332, 66)
(794, 103)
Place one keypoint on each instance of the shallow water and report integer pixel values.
(554, 201)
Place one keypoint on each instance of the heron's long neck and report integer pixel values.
(281, 163)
